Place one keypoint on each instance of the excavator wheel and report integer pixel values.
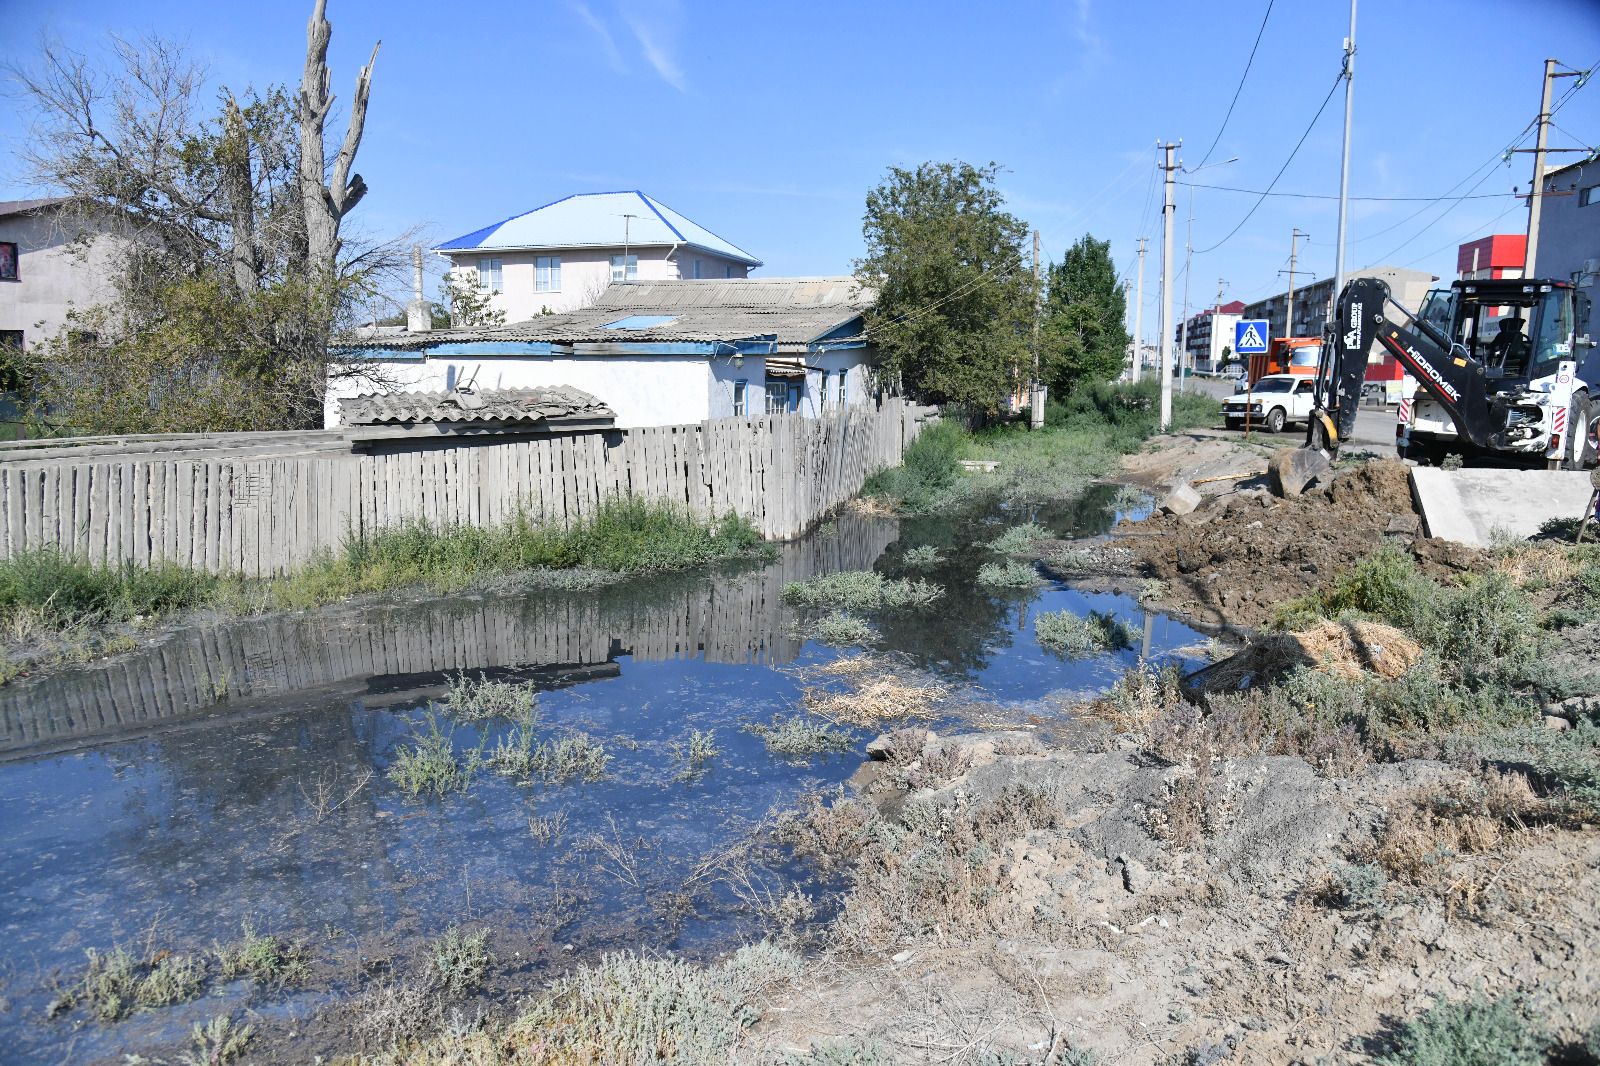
(1575, 450)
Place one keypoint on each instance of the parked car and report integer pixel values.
(1274, 402)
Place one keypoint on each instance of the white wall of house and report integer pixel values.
(52, 278)
(585, 273)
(658, 390)
(725, 376)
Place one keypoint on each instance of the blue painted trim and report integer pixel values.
(852, 324)
(663, 218)
(625, 348)
(834, 346)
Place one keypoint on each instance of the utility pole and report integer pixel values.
(1344, 162)
(627, 221)
(1536, 198)
(1168, 208)
(1127, 311)
(1188, 261)
(1036, 390)
(1216, 309)
(1288, 315)
(1138, 315)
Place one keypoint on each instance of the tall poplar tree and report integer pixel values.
(1085, 336)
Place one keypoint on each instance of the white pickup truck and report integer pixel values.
(1274, 402)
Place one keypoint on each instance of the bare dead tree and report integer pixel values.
(326, 198)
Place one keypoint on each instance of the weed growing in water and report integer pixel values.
(873, 698)
(1019, 540)
(117, 983)
(216, 1043)
(1475, 1031)
(798, 736)
(430, 767)
(265, 959)
(843, 630)
(694, 755)
(547, 829)
(1008, 575)
(1072, 634)
(470, 700)
(576, 755)
(921, 557)
(458, 961)
(860, 590)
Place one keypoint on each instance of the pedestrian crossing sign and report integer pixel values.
(1250, 336)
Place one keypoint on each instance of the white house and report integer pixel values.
(655, 352)
(563, 255)
(42, 273)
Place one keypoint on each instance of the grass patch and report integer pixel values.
(470, 700)
(1010, 574)
(861, 591)
(1018, 540)
(551, 762)
(1073, 634)
(922, 557)
(797, 736)
(116, 983)
(842, 629)
(265, 959)
(429, 766)
(45, 590)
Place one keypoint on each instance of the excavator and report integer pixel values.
(1504, 367)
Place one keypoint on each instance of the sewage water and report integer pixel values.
(235, 774)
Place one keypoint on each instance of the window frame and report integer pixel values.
(547, 273)
(822, 392)
(741, 397)
(1589, 196)
(491, 275)
(619, 267)
(699, 269)
(10, 261)
(844, 387)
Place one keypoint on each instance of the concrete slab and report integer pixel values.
(1473, 506)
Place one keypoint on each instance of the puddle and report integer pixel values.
(211, 781)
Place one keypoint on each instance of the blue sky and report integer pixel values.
(768, 122)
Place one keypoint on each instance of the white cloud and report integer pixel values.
(655, 36)
(607, 42)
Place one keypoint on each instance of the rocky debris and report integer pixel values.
(1181, 500)
(1291, 470)
(1406, 524)
(1135, 875)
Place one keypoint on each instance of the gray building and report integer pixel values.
(1569, 223)
(44, 273)
(1312, 302)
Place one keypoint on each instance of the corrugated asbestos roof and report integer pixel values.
(595, 220)
(796, 311)
(554, 404)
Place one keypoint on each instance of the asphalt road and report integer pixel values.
(1374, 425)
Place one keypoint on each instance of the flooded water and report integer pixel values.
(237, 774)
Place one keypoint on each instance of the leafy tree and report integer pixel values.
(463, 305)
(955, 295)
(222, 223)
(1084, 337)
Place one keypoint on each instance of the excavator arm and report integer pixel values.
(1448, 373)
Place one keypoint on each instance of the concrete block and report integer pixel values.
(1474, 506)
(1181, 500)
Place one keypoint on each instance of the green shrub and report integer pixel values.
(116, 983)
(928, 470)
(797, 736)
(55, 591)
(1565, 765)
(695, 753)
(1357, 886)
(1010, 574)
(860, 590)
(458, 961)
(430, 766)
(1471, 1032)
(469, 700)
(217, 1043)
(843, 630)
(922, 557)
(264, 959)
(1018, 540)
(576, 755)
(1073, 634)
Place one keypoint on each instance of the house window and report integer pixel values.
(616, 268)
(822, 393)
(11, 339)
(547, 273)
(740, 390)
(489, 278)
(1588, 196)
(727, 271)
(699, 269)
(782, 396)
(843, 382)
(8, 261)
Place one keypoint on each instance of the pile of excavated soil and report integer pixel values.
(1240, 555)
(1348, 649)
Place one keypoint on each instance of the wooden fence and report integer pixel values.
(385, 653)
(264, 505)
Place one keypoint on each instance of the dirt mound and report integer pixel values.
(1345, 649)
(1240, 555)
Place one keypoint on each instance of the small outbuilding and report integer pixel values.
(655, 353)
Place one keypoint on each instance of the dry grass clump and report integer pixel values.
(868, 700)
(1138, 699)
(829, 834)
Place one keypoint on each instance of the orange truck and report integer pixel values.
(1287, 355)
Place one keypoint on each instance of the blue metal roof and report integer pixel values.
(595, 220)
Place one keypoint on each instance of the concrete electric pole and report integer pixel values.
(1036, 389)
(1536, 196)
(1288, 314)
(1138, 315)
(1168, 208)
(1344, 161)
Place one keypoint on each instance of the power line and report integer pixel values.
(1457, 242)
(1240, 88)
(1331, 196)
(1263, 197)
